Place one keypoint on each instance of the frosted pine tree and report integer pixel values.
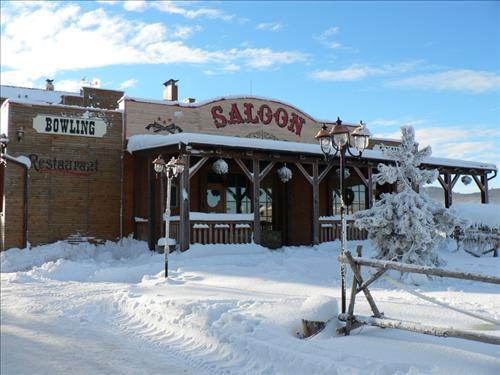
(406, 226)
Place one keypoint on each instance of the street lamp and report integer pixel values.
(171, 169)
(334, 142)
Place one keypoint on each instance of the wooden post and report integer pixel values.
(448, 198)
(184, 223)
(484, 192)
(151, 205)
(369, 191)
(358, 276)
(315, 186)
(256, 201)
(350, 310)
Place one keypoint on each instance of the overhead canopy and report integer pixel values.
(148, 141)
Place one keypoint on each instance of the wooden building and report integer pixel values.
(256, 138)
(81, 164)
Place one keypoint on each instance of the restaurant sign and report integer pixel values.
(77, 126)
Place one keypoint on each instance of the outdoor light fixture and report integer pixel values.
(339, 140)
(171, 169)
(19, 134)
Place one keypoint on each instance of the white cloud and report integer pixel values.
(271, 26)
(333, 45)
(328, 33)
(184, 32)
(175, 8)
(70, 85)
(134, 5)
(128, 83)
(395, 122)
(40, 42)
(456, 142)
(463, 80)
(358, 72)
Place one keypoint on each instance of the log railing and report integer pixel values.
(216, 228)
(331, 230)
(379, 320)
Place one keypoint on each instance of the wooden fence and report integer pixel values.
(331, 229)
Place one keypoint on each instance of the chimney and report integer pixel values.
(189, 100)
(170, 90)
(49, 84)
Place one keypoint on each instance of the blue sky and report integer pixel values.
(434, 65)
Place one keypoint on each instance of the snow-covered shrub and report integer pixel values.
(220, 166)
(406, 226)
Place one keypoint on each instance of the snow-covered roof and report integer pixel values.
(147, 141)
(226, 97)
(33, 95)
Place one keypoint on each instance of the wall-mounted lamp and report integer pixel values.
(19, 134)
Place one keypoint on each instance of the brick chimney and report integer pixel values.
(49, 84)
(170, 90)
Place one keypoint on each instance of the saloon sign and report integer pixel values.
(77, 126)
(264, 114)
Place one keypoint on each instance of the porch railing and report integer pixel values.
(331, 230)
(216, 228)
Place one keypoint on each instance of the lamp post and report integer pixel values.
(338, 141)
(171, 169)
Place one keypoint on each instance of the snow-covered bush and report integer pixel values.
(406, 226)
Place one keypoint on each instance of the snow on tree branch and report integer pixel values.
(406, 226)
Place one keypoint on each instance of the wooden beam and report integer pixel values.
(151, 205)
(256, 201)
(267, 169)
(412, 268)
(304, 172)
(195, 168)
(315, 201)
(371, 280)
(325, 172)
(455, 179)
(484, 193)
(442, 182)
(364, 180)
(423, 328)
(478, 183)
(370, 188)
(245, 169)
(366, 291)
(184, 224)
(448, 195)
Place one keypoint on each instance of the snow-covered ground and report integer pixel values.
(225, 309)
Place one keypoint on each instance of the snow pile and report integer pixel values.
(15, 259)
(226, 309)
(319, 309)
(479, 214)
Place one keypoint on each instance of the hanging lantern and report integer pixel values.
(284, 174)
(220, 167)
(466, 180)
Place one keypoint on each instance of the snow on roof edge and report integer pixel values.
(147, 141)
(28, 102)
(226, 97)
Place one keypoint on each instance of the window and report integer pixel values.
(237, 195)
(266, 207)
(229, 193)
(358, 203)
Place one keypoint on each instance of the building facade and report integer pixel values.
(255, 172)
